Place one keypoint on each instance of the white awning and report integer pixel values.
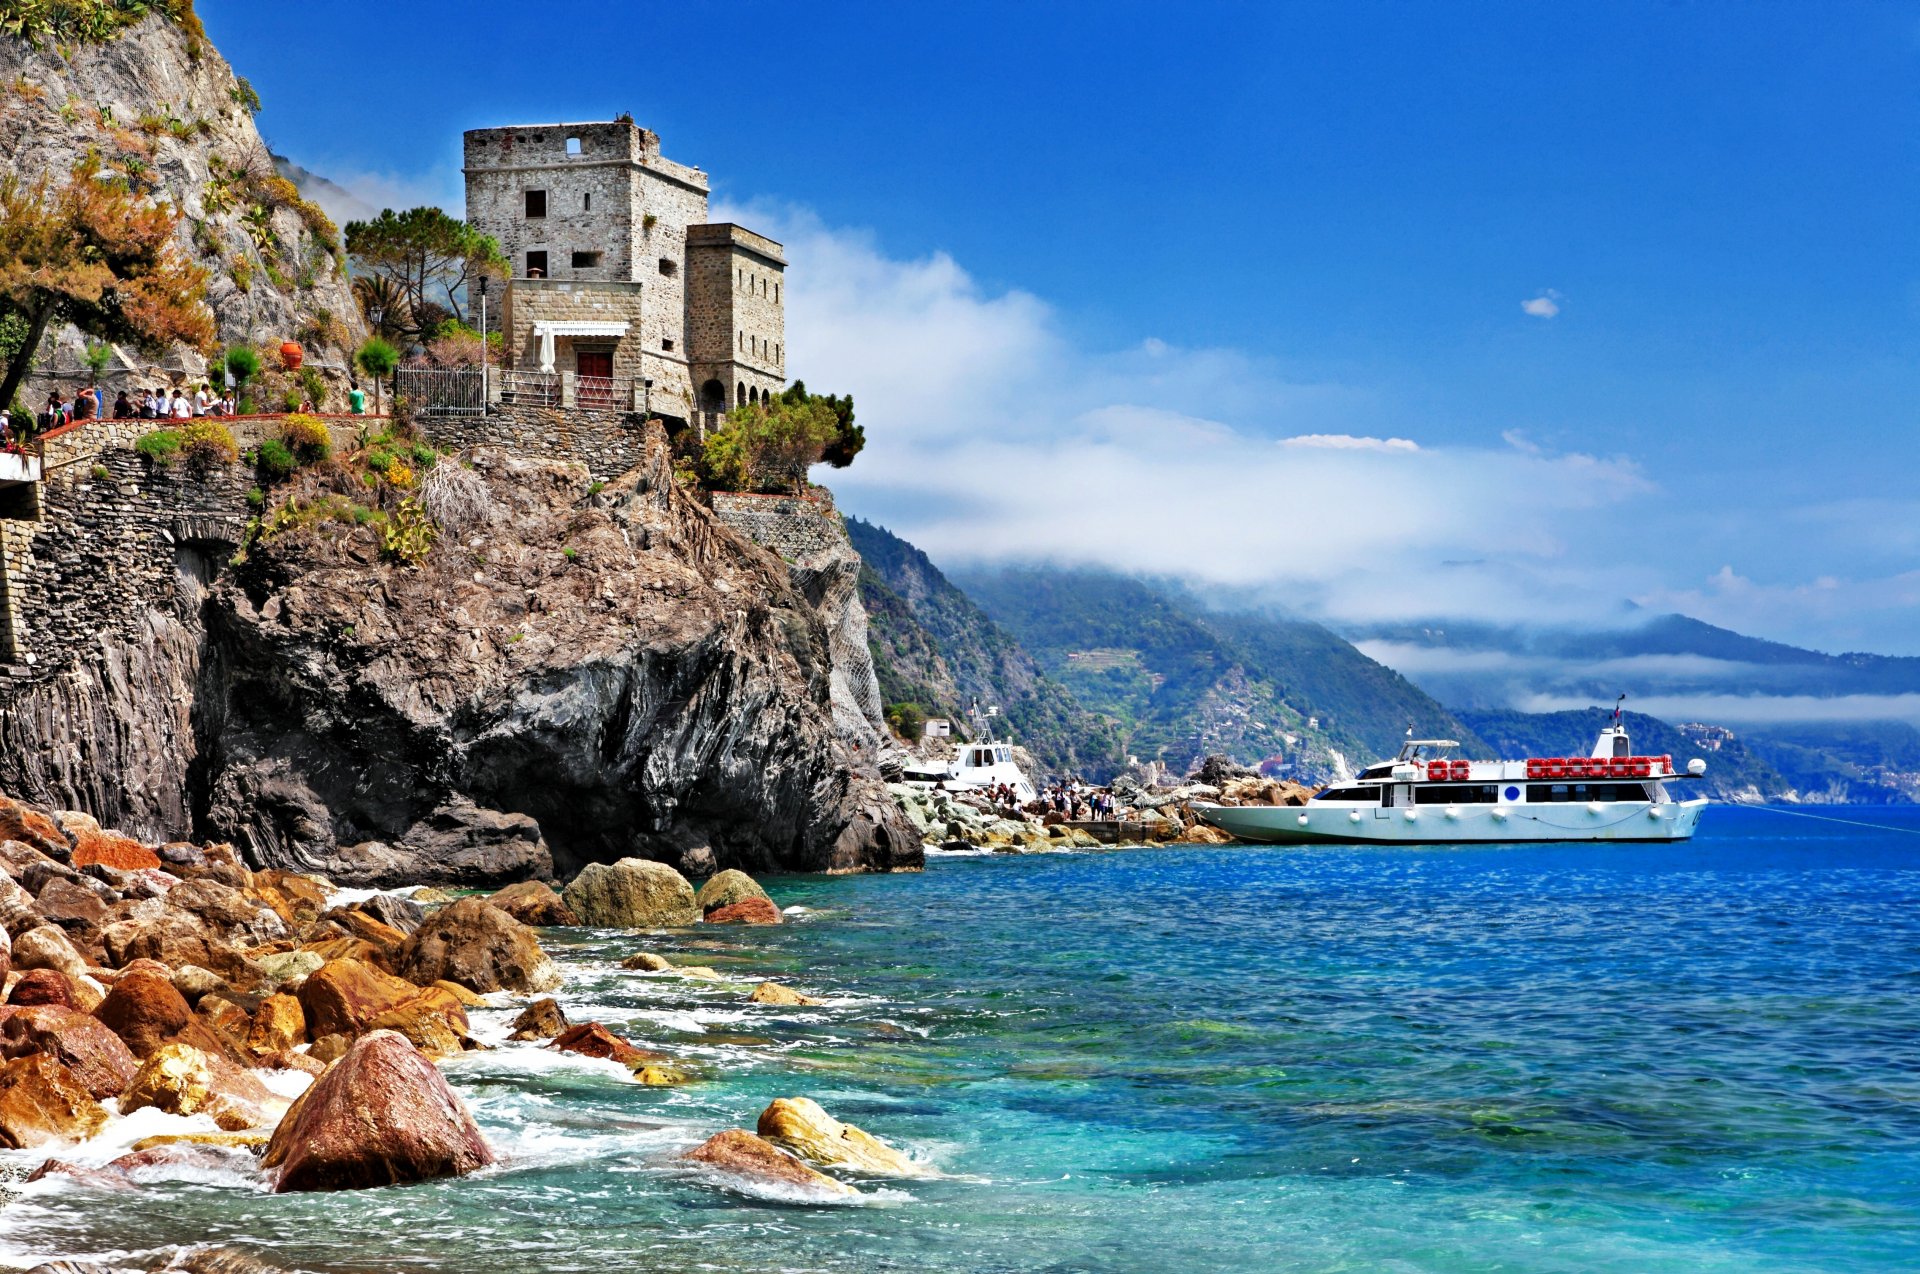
(545, 330)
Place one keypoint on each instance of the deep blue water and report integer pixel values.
(1504, 1058)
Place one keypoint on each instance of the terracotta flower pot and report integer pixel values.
(291, 354)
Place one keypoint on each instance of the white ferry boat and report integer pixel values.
(974, 766)
(1424, 797)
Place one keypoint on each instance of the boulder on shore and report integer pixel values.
(728, 887)
(182, 1080)
(633, 893)
(48, 947)
(145, 1009)
(534, 902)
(42, 1101)
(433, 1021)
(748, 911)
(742, 1154)
(43, 986)
(382, 1115)
(479, 947)
(343, 997)
(278, 1024)
(94, 1054)
(800, 1125)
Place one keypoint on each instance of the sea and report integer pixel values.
(1508, 1058)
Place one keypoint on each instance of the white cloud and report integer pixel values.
(1347, 442)
(1545, 306)
(1759, 709)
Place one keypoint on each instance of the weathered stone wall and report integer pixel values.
(530, 301)
(792, 526)
(736, 319)
(608, 443)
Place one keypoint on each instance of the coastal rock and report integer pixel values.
(533, 902)
(743, 1154)
(774, 993)
(590, 1039)
(632, 894)
(357, 923)
(479, 947)
(343, 997)
(402, 915)
(382, 1115)
(297, 897)
(17, 912)
(73, 906)
(42, 1101)
(99, 1179)
(95, 1055)
(800, 1125)
(727, 888)
(182, 1080)
(278, 1024)
(44, 986)
(146, 1010)
(48, 947)
(6, 956)
(433, 1021)
(33, 828)
(174, 938)
(92, 844)
(465, 997)
(284, 967)
(748, 911)
(648, 961)
(541, 1020)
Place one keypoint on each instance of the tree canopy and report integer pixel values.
(432, 259)
(92, 254)
(848, 437)
(768, 446)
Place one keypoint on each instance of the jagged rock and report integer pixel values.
(479, 947)
(632, 894)
(284, 967)
(360, 924)
(41, 1100)
(33, 828)
(95, 1055)
(590, 1039)
(799, 1124)
(44, 986)
(748, 911)
(647, 960)
(17, 912)
(381, 1115)
(401, 915)
(228, 912)
(343, 997)
(48, 947)
(742, 1154)
(774, 993)
(533, 902)
(294, 895)
(72, 906)
(93, 844)
(434, 1021)
(278, 1024)
(175, 938)
(727, 888)
(541, 1020)
(1216, 770)
(182, 1080)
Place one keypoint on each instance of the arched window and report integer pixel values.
(741, 394)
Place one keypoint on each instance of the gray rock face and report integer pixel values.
(566, 679)
(632, 894)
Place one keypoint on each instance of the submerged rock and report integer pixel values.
(742, 1154)
(632, 894)
(800, 1125)
(774, 993)
(382, 1115)
(479, 947)
(541, 1020)
(590, 1039)
(648, 961)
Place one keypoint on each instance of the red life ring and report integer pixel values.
(1642, 768)
(1619, 769)
(1436, 770)
(1461, 769)
(1557, 768)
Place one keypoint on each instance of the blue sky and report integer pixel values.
(1140, 246)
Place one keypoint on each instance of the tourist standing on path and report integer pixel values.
(181, 409)
(356, 398)
(122, 407)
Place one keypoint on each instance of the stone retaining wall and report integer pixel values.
(795, 527)
(608, 443)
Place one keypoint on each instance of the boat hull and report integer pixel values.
(1624, 822)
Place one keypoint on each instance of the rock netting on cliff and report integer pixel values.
(575, 673)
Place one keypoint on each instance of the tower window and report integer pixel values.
(536, 203)
(536, 265)
(586, 260)
(586, 202)
(573, 145)
(666, 343)
(776, 294)
(669, 267)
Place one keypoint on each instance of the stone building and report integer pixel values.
(617, 275)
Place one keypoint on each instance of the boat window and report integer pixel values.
(1582, 792)
(1456, 794)
(1370, 795)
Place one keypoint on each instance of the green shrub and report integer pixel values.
(242, 363)
(423, 455)
(314, 385)
(308, 437)
(379, 460)
(162, 446)
(408, 533)
(101, 473)
(256, 499)
(206, 443)
(275, 461)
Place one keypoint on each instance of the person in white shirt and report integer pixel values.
(201, 401)
(182, 409)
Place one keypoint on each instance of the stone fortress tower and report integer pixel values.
(619, 278)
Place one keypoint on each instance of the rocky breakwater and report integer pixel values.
(576, 672)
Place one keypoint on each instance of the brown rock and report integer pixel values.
(95, 1055)
(293, 896)
(17, 912)
(460, 993)
(541, 1020)
(278, 1024)
(774, 993)
(174, 939)
(329, 1048)
(42, 1101)
(183, 1080)
(533, 902)
(432, 1020)
(228, 1020)
(32, 827)
(359, 924)
(344, 997)
(99, 1178)
(381, 1116)
(345, 948)
(244, 1140)
(48, 947)
(228, 913)
(92, 845)
(800, 1125)
(748, 911)
(44, 986)
(590, 1039)
(633, 893)
(698, 972)
(648, 961)
(726, 888)
(144, 1009)
(288, 1060)
(478, 946)
(660, 1076)
(742, 1154)
(72, 905)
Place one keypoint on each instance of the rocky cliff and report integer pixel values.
(609, 670)
(164, 110)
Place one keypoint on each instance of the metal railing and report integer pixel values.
(438, 391)
(596, 392)
(530, 389)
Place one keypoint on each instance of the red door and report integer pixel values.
(595, 371)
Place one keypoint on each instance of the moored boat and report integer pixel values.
(1424, 796)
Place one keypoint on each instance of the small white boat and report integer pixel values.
(1425, 797)
(975, 766)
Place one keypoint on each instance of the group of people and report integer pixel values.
(1077, 802)
(159, 403)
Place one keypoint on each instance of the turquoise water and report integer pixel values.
(1505, 1058)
